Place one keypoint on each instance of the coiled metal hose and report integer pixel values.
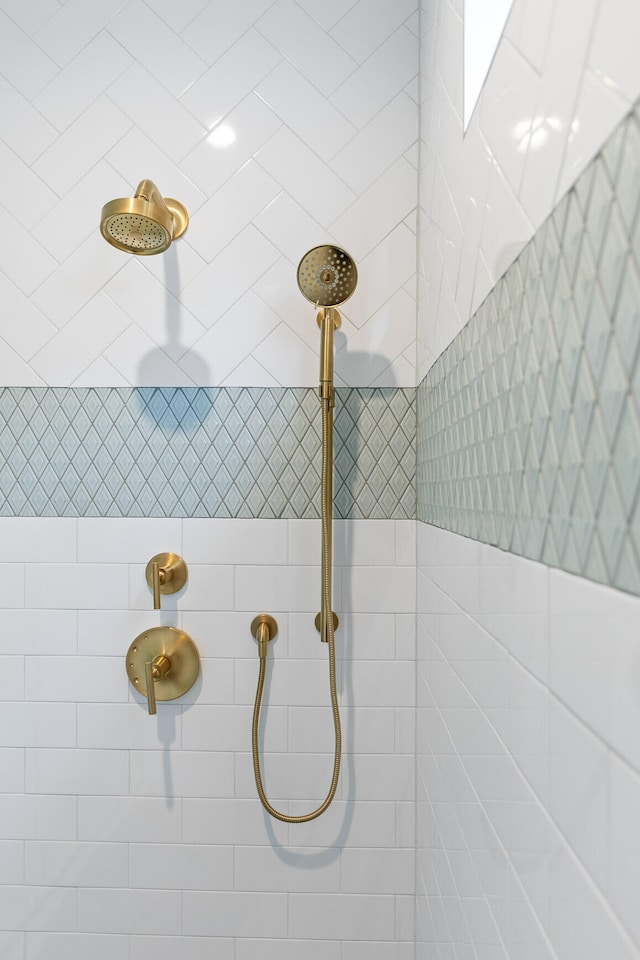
(326, 498)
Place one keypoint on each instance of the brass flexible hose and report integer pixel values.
(326, 499)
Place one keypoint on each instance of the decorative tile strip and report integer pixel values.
(199, 452)
(529, 426)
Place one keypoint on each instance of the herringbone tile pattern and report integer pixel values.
(279, 124)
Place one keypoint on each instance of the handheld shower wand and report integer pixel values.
(326, 276)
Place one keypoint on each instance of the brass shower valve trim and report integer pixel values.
(162, 663)
(166, 573)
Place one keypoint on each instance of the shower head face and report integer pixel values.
(327, 276)
(144, 224)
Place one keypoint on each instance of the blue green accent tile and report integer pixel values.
(528, 424)
(237, 452)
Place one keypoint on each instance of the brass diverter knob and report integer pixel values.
(162, 663)
(165, 573)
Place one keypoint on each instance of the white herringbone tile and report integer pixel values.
(305, 176)
(22, 127)
(231, 78)
(148, 39)
(306, 45)
(305, 110)
(231, 144)
(280, 124)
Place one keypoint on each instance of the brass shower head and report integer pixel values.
(145, 223)
(327, 276)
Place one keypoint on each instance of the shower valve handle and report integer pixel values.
(165, 573)
(155, 670)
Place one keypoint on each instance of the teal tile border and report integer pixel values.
(528, 424)
(203, 452)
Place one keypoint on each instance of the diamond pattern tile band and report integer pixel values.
(200, 452)
(529, 425)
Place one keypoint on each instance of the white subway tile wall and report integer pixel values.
(527, 765)
(280, 126)
(128, 836)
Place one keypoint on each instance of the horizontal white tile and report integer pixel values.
(130, 540)
(11, 678)
(63, 678)
(38, 817)
(128, 911)
(291, 683)
(128, 819)
(237, 821)
(364, 729)
(37, 724)
(346, 915)
(228, 727)
(12, 765)
(355, 542)
(123, 726)
(108, 633)
(189, 774)
(181, 866)
(379, 589)
(288, 776)
(379, 777)
(234, 914)
(76, 864)
(248, 949)
(374, 825)
(11, 862)
(77, 586)
(187, 948)
(378, 683)
(13, 945)
(77, 946)
(100, 772)
(235, 541)
(377, 871)
(38, 908)
(261, 868)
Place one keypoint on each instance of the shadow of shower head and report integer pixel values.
(327, 276)
(144, 224)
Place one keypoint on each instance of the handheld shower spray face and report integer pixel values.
(144, 224)
(327, 276)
